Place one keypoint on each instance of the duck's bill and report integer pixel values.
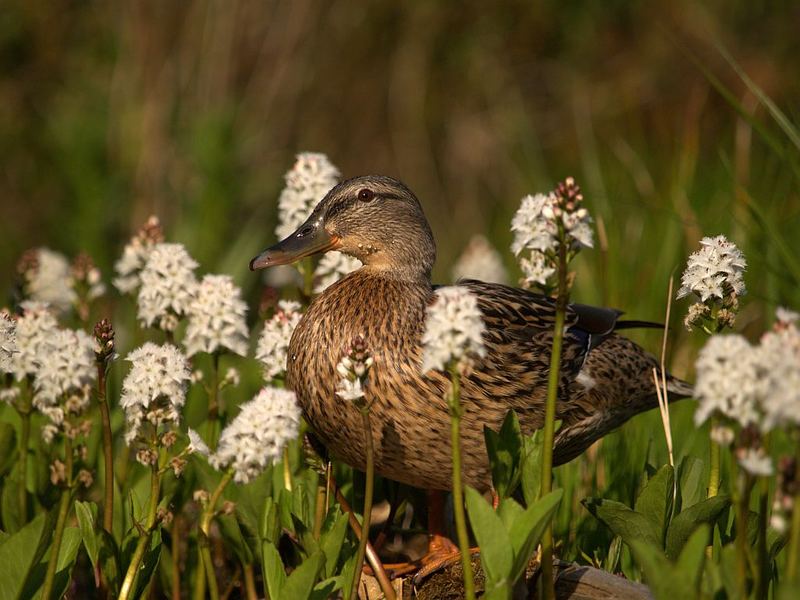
(306, 241)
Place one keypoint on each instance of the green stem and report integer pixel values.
(287, 470)
(548, 589)
(307, 269)
(205, 573)
(25, 416)
(213, 403)
(367, 512)
(456, 411)
(175, 537)
(319, 510)
(108, 449)
(715, 461)
(742, 507)
(144, 538)
(793, 558)
(249, 582)
(61, 522)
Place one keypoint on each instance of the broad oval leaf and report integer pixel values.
(623, 521)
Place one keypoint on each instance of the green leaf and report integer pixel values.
(301, 581)
(531, 470)
(655, 500)
(496, 552)
(505, 454)
(691, 483)
(623, 521)
(528, 530)
(232, 534)
(9, 503)
(659, 572)
(149, 564)
(273, 569)
(331, 542)
(683, 525)
(17, 555)
(270, 529)
(692, 558)
(70, 544)
(109, 561)
(8, 443)
(325, 588)
(86, 512)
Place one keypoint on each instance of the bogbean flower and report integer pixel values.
(542, 223)
(216, 317)
(354, 370)
(730, 380)
(8, 341)
(273, 344)
(46, 278)
(454, 330)
(135, 255)
(63, 383)
(480, 260)
(780, 356)
(168, 286)
(331, 268)
(714, 275)
(256, 437)
(34, 329)
(154, 391)
(87, 277)
(307, 182)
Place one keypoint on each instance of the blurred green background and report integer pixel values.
(193, 111)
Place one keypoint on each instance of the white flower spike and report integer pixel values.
(216, 318)
(454, 330)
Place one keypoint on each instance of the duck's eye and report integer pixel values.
(366, 195)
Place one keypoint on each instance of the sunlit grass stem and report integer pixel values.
(145, 536)
(24, 441)
(715, 457)
(548, 589)
(369, 486)
(213, 403)
(744, 485)
(108, 448)
(793, 557)
(456, 410)
(206, 569)
(64, 504)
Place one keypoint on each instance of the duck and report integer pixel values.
(605, 378)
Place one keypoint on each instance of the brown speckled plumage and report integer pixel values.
(605, 379)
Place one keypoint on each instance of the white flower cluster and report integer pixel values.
(273, 344)
(155, 388)
(8, 341)
(135, 255)
(780, 353)
(64, 380)
(167, 286)
(216, 318)
(714, 271)
(256, 437)
(50, 281)
(454, 330)
(729, 380)
(752, 385)
(35, 327)
(480, 260)
(331, 268)
(536, 227)
(307, 182)
(353, 370)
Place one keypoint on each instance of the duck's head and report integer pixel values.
(376, 219)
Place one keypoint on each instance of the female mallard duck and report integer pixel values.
(605, 378)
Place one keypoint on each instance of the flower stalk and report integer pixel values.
(145, 536)
(64, 505)
(24, 410)
(207, 570)
(369, 486)
(213, 402)
(456, 411)
(104, 352)
(550, 415)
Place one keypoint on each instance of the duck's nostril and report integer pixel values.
(305, 231)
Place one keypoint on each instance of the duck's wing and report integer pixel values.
(526, 314)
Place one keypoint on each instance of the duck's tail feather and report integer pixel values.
(679, 387)
(635, 324)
